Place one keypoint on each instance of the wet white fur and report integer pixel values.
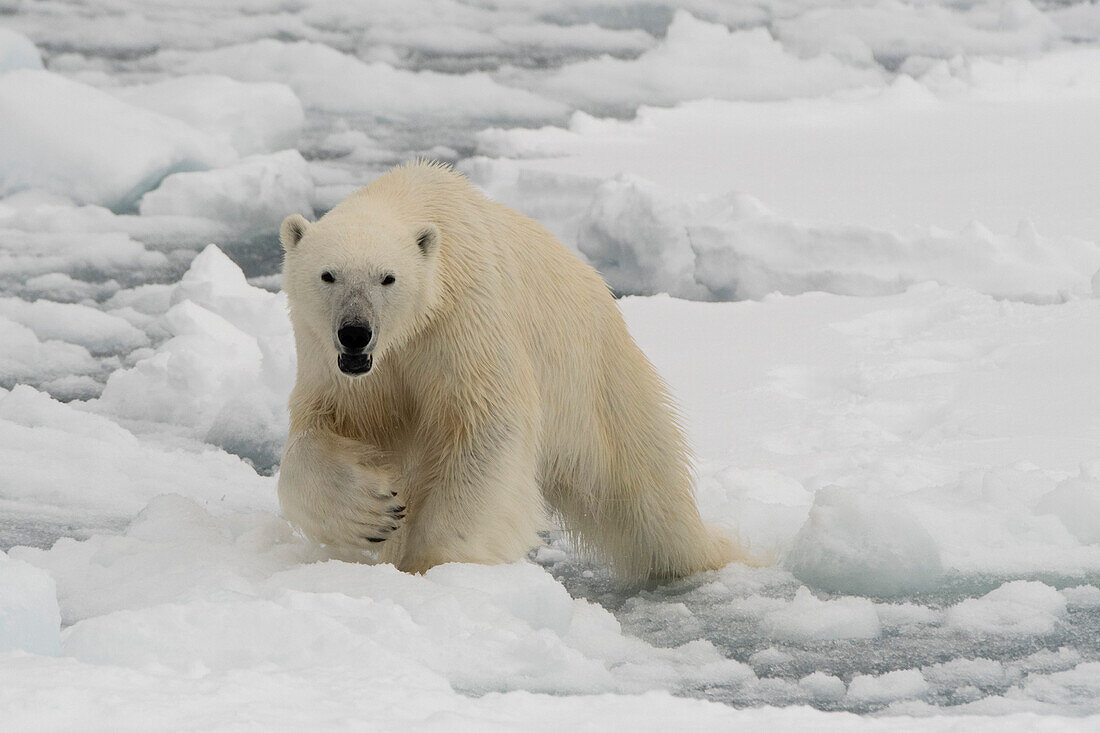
(504, 384)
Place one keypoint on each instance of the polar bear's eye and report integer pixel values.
(389, 280)
(328, 277)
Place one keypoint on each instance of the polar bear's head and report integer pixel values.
(360, 281)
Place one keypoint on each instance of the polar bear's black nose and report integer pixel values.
(354, 336)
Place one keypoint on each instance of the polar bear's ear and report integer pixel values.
(292, 231)
(427, 238)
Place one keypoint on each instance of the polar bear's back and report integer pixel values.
(599, 397)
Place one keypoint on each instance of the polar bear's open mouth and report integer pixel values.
(355, 364)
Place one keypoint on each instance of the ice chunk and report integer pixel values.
(699, 60)
(895, 31)
(647, 239)
(254, 194)
(116, 153)
(61, 287)
(1076, 502)
(88, 257)
(99, 332)
(1077, 687)
(26, 358)
(904, 684)
(822, 687)
(833, 164)
(980, 673)
(1017, 607)
(808, 618)
(328, 80)
(29, 616)
(900, 615)
(79, 468)
(634, 234)
(1082, 596)
(853, 543)
(17, 52)
(770, 657)
(253, 118)
(224, 374)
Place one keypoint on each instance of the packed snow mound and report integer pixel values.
(700, 60)
(252, 118)
(328, 80)
(116, 154)
(252, 195)
(30, 620)
(223, 373)
(17, 52)
(647, 239)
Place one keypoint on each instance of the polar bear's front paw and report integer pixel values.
(365, 509)
(388, 522)
(341, 498)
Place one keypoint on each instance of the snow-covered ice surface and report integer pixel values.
(860, 240)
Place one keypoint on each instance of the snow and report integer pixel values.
(859, 241)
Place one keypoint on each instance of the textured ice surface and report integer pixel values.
(899, 416)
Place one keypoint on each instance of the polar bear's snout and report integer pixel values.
(355, 341)
(354, 337)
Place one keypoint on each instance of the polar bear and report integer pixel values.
(461, 375)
